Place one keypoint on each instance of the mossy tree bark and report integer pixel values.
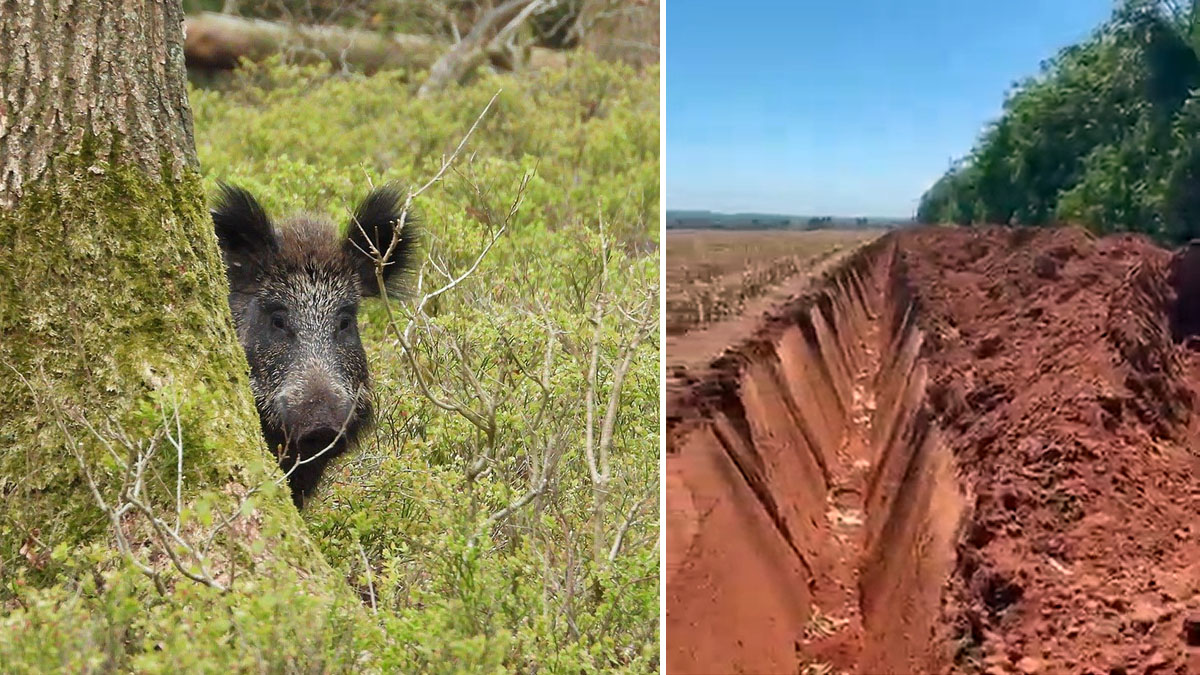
(113, 314)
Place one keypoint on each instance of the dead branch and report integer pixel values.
(493, 30)
(637, 323)
(630, 521)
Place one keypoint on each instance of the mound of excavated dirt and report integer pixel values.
(962, 451)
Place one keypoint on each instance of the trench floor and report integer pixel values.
(833, 637)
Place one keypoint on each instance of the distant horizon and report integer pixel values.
(789, 215)
(773, 214)
(830, 108)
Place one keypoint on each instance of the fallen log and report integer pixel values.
(218, 41)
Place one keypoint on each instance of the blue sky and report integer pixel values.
(842, 108)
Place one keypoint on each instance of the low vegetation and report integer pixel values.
(502, 515)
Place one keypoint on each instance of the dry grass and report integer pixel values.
(712, 273)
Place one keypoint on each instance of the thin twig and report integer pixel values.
(370, 583)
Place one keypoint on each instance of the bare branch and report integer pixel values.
(496, 25)
(625, 525)
(370, 583)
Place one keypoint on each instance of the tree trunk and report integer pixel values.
(114, 317)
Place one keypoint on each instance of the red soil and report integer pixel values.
(960, 451)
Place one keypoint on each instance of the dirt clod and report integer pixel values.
(1155, 662)
(1045, 267)
(1030, 666)
(1191, 631)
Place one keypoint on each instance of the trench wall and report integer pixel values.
(748, 476)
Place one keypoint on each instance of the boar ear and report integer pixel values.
(370, 235)
(243, 229)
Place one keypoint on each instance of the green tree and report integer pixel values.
(1095, 138)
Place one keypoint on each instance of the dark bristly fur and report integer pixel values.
(377, 216)
(294, 291)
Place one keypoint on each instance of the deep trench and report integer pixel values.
(812, 510)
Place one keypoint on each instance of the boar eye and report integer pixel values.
(279, 320)
(345, 322)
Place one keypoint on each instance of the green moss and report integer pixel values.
(112, 292)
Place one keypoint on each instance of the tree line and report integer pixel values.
(1107, 135)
